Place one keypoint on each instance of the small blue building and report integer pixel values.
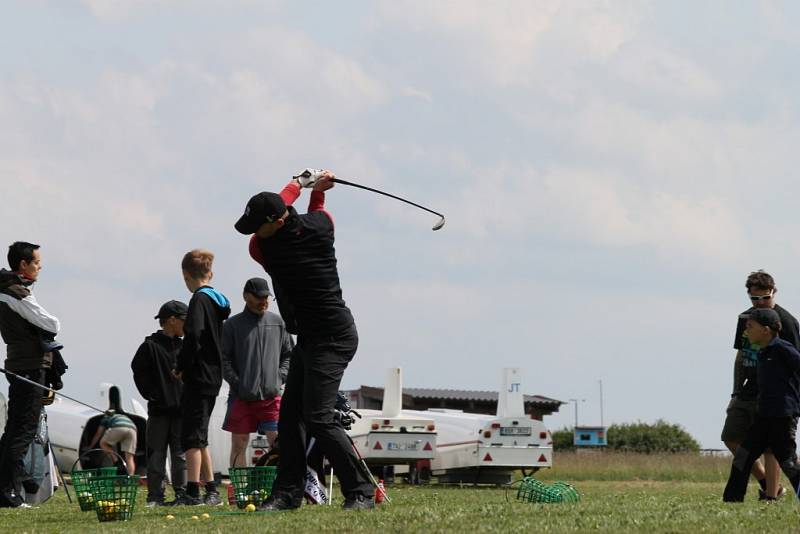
(590, 436)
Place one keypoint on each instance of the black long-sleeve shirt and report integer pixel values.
(301, 260)
(200, 358)
(152, 367)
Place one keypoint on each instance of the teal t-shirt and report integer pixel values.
(117, 420)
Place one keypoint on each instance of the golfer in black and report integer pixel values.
(297, 252)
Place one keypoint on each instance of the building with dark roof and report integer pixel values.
(368, 397)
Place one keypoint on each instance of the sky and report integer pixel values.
(610, 171)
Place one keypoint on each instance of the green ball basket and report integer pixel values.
(251, 485)
(80, 481)
(114, 497)
(531, 490)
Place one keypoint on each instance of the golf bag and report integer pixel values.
(39, 465)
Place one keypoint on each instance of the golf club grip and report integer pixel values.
(345, 182)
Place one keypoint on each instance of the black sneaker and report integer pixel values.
(276, 503)
(212, 498)
(358, 502)
(184, 499)
(762, 495)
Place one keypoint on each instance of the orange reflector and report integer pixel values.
(487, 434)
(375, 426)
(377, 446)
(258, 452)
(542, 458)
(542, 435)
(431, 428)
(386, 422)
(487, 458)
(427, 447)
(495, 425)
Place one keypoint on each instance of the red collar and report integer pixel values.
(21, 275)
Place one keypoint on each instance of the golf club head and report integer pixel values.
(438, 225)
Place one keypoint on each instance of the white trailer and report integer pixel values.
(480, 448)
(394, 436)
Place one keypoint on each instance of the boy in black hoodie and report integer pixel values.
(152, 372)
(778, 372)
(200, 368)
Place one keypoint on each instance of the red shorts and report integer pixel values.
(260, 416)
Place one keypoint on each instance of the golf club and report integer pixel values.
(38, 385)
(313, 173)
(436, 226)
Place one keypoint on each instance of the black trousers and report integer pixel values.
(315, 373)
(24, 407)
(776, 433)
(164, 431)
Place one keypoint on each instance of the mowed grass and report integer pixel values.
(605, 506)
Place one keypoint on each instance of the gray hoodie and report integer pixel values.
(255, 355)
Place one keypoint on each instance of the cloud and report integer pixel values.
(520, 43)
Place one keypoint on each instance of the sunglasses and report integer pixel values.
(762, 297)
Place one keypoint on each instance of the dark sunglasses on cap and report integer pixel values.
(755, 298)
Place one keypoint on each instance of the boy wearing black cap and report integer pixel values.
(152, 372)
(742, 408)
(256, 349)
(200, 368)
(778, 405)
(297, 251)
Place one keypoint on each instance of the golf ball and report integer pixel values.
(250, 508)
(205, 516)
(195, 517)
(170, 517)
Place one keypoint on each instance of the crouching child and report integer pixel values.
(778, 405)
(117, 429)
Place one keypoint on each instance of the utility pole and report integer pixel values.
(576, 409)
(601, 403)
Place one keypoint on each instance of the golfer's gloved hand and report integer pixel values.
(308, 177)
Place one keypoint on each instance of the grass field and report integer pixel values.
(606, 505)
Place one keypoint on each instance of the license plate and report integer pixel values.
(402, 446)
(515, 431)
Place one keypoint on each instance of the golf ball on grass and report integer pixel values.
(250, 508)
(205, 516)
(169, 517)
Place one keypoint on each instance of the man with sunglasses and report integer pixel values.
(741, 412)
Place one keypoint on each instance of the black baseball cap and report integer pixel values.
(257, 287)
(173, 308)
(766, 317)
(261, 208)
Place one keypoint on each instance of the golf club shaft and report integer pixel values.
(345, 182)
(365, 469)
(38, 385)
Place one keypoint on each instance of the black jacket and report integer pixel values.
(301, 260)
(22, 323)
(152, 372)
(200, 357)
(745, 383)
(778, 380)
